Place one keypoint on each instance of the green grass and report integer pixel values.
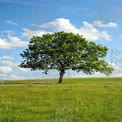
(76, 100)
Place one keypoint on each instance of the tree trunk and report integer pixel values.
(62, 72)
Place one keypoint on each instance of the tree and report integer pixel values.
(64, 51)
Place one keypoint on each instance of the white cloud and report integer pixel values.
(87, 30)
(12, 42)
(4, 44)
(91, 33)
(117, 69)
(24, 69)
(16, 42)
(99, 23)
(6, 58)
(10, 22)
(3, 75)
(13, 76)
(30, 33)
(9, 68)
(5, 69)
(6, 32)
(62, 25)
(106, 36)
(9, 63)
(6, 64)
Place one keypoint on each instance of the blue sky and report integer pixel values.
(97, 20)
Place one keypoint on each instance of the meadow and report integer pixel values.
(75, 100)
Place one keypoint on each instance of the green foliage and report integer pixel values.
(76, 100)
(63, 51)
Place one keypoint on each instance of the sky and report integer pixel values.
(99, 21)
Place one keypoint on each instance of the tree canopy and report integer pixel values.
(65, 51)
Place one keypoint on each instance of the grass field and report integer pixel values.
(76, 100)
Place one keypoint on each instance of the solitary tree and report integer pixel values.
(64, 51)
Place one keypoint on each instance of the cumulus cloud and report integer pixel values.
(5, 69)
(30, 33)
(12, 42)
(13, 76)
(91, 33)
(3, 75)
(4, 44)
(99, 23)
(6, 64)
(6, 58)
(10, 22)
(24, 69)
(16, 42)
(117, 69)
(88, 30)
(62, 25)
